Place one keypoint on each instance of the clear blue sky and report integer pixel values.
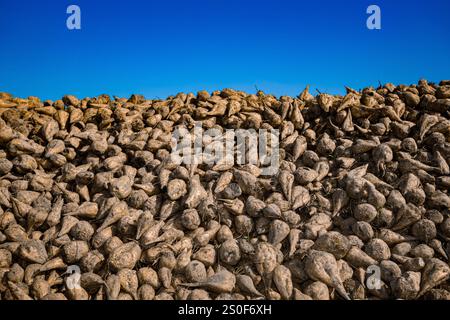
(158, 48)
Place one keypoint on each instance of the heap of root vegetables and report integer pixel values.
(92, 205)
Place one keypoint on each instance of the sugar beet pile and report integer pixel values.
(88, 185)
